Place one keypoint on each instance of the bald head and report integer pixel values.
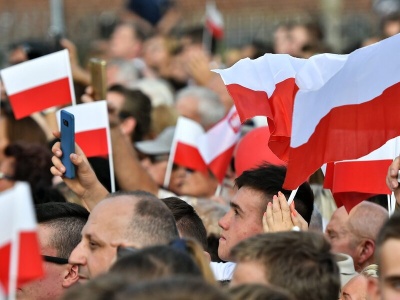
(366, 219)
(150, 222)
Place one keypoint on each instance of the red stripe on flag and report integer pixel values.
(30, 265)
(5, 252)
(93, 142)
(216, 31)
(41, 97)
(249, 103)
(278, 109)
(354, 181)
(219, 165)
(189, 157)
(340, 127)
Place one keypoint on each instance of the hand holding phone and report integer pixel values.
(67, 142)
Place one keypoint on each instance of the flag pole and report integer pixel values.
(110, 160)
(218, 191)
(13, 272)
(71, 82)
(168, 171)
(292, 195)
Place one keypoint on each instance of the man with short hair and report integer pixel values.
(355, 233)
(256, 188)
(299, 262)
(187, 220)
(59, 231)
(135, 219)
(386, 287)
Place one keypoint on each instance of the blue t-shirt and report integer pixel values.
(150, 10)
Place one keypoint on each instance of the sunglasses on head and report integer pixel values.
(55, 260)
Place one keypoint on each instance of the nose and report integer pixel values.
(78, 256)
(224, 221)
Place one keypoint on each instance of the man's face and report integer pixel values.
(198, 184)
(51, 285)
(355, 289)
(105, 230)
(243, 220)
(339, 235)
(248, 272)
(389, 278)
(123, 43)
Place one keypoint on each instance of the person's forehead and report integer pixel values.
(248, 198)
(112, 212)
(390, 254)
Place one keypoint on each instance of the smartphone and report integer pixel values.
(67, 121)
(98, 78)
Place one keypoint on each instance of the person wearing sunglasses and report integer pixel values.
(59, 231)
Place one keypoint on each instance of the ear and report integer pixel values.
(366, 252)
(128, 126)
(373, 290)
(71, 276)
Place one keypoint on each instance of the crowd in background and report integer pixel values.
(202, 240)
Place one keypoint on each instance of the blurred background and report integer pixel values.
(345, 23)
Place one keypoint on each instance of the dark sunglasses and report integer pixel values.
(55, 260)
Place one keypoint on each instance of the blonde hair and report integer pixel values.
(370, 271)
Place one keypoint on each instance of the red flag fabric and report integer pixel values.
(266, 87)
(216, 146)
(346, 107)
(214, 21)
(39, 84)
(353, 181)
(91, 127)
(18, 229)
(185, 145)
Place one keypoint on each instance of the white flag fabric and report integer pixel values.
(39, 84)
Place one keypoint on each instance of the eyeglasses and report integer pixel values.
(55, 260)
(6, 177)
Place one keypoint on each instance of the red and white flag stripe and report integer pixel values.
(352, 181)
(346, 106)
(214, 21)
(20, 258)
(266, 87)
(185, 143)
(39, 84)
(91, 127)
(216, 146)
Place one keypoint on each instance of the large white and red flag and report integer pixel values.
(39, 84)
(214, 21)
(346, 107)
(352, 181)
(216, 146)
(266, 87)
(20, 258)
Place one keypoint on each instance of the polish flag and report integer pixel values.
(352, 181)
(216, 146)
(346, 107)
(266, 87)
(185, 150)
(214, 21)
(92, 130)
(20, 258)
(39, 84)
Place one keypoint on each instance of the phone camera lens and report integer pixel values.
(65, 122)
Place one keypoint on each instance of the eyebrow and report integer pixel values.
(235, 206)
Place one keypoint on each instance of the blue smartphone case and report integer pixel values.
(67, 142)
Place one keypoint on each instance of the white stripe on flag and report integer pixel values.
(26, 75)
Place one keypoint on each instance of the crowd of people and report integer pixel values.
(195, 238)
